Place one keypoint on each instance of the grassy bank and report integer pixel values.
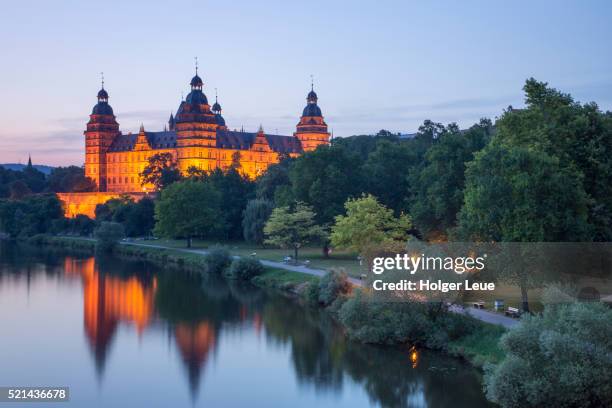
(478, 347)
(283, 280)
(337, 259)
(272, 277)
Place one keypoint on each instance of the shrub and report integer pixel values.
(333, 284)
(372, 321)
(562, 358)
(107, 236)
(245, 268)
(217, 260)
(311, 294)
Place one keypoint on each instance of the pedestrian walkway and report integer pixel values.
(483, 315)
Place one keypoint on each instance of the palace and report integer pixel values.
(196, 136)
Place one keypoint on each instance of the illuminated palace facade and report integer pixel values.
(196, 136)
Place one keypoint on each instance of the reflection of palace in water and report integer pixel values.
(109, 300)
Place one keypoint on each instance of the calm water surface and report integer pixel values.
(128, 334)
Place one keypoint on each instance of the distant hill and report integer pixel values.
(19, 167)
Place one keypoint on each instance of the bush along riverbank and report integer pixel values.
(413, 323)
(365, 320)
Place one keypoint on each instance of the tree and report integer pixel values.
(136, 217)
(30, 181)
(107, 235)
(254, 219)
(188, 209)
(69, 179)
(580, 136)
(19, 190)
(106, 211)
(293, 227)
(561, 358)
(367, 222)
(161, 171)
(438, 183)
(82, 225)
(521, 195)
(235, 190)
(325, 179)
(386, 171)
(196, 173)
(33, 215)
(274, 183)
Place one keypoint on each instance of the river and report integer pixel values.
(130, 334)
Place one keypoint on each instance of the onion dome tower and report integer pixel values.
(195, 124)
(216, 108)
(101, 131)
(312, 129)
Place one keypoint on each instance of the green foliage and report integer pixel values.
(386, 169)
(24, 182)
(235, 191)
(160, 171)
(522, 195)
(325, 179)
(30, 216)
(245, 269)
(480, 344)
(283, 279)
(332, 285)
(438, 181)
(217, 260)
(293, 227)
(579, 136)
(417, 323)
(137, 217)
(274, 184)
(69, 179)
(107, 235)
(19, 190)
(367, 222)
(188, 209)
(254, 219)
(80, 225)
(385, 323)
(311, 295)
(562, 358)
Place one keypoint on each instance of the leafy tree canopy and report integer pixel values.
(188, 209)
(368, 222)
(160, 171)
(293, 227)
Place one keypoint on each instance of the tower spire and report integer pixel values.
(196, 64)
(102, 79)
(311, 82)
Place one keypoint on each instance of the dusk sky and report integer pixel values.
(376, 64)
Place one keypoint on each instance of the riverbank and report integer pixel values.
(478, 347)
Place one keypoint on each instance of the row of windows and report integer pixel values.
(209, 154)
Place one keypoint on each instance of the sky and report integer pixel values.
(376, 64)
